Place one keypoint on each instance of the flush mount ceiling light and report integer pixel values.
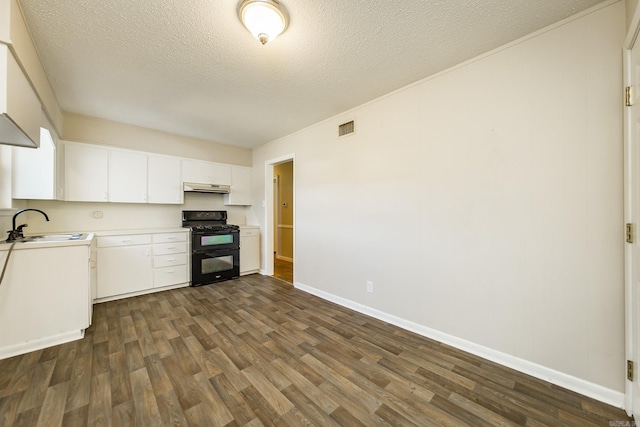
(265, 19)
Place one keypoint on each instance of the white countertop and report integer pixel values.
(86, 239)
(142, 231)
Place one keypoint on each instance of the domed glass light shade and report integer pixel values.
(265, 19)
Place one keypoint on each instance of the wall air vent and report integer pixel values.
(346, 129)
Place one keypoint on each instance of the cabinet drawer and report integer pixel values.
(169, 260)
(169, 237)
(124, 240)
(249, 232)
(166, 276)
(169, 248)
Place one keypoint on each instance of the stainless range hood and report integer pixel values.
(206, 188)
(11, 134)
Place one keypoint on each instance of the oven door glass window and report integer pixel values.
(216, 241)
(216, 265)
(220, 239)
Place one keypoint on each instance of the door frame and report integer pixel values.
(630, 342)
(269, 233)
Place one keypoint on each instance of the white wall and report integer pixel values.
(630, 6)
(13, 31)
(484, 203)
(98, 131)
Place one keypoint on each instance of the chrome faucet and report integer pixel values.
(16, 233)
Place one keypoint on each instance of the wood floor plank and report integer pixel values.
(119, 381)
(218, 412)
(34, 393)
(9, 408)
(257, 352)
(305, 386)
(21, 374)
(100, 401)
(234, 401)
(52, 411)
(147, 412)
(78, 417)
(310, 408)
(268, 391)
(170, 410)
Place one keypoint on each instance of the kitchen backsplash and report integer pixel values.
(81, 216)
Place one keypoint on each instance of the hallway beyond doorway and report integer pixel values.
(283, 270)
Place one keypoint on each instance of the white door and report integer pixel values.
(633, 216)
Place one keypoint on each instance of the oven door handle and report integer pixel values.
(213, 254)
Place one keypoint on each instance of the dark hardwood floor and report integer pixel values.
(283, 270)
(254, 351)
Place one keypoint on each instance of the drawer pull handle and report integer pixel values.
(127, 241)
(171, 272)
(171, 260)
(171, 247)
(171, 238)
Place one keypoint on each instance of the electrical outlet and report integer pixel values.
(369, 286)
(97, 214)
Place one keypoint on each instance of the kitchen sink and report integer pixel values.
(55, 237)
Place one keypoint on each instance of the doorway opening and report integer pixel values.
(279, 248)
(283, 221)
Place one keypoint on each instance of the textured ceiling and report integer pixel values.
(189, 67)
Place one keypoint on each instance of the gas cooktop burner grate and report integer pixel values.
(206, 227)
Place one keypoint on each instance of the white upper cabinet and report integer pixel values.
(86, 173)
(240, 193)
(202, 172)
(34, 171)
(95, 173)
(127, 176)
(163, 180)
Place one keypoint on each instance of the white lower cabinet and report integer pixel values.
(249, 249)
(44, 297)
(139, 263)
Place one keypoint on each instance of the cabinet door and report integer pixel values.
(240, 187)
(164, 180)
(124, 269)
(202, 172)
(86, 172)
(127, 177)
(220, 174)
(195, 171)
(249, 251)
(34, 171)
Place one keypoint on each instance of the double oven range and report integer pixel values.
(215, 246)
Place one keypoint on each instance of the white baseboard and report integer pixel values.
(39, 344)
(137, 293)
(284, 258)
(586, 388)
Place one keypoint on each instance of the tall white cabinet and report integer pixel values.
(249, 249)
